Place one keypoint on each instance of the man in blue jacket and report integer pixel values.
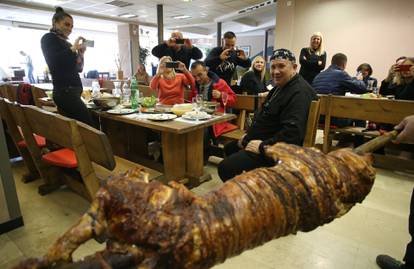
(336, 81)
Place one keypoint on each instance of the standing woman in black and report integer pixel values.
(312, 59)
(65, 61)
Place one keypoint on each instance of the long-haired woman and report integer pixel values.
(65, 61)
(169, 84)
(253, 81)
(313, 58)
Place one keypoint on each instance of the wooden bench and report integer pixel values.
(88, 153)
(375, 110)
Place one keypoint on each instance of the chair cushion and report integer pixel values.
(63, 157)
(40, 141)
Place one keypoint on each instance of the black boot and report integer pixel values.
(388, 262)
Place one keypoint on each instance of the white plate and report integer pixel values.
(121, 111)
(161, 117)
(194, 117)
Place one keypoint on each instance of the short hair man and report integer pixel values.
(211, 87)
(223, 60)
(283, 118)
(178, 52)
(29, 66)
(336, 81)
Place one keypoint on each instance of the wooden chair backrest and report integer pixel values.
(377, 110)
(9, 92)
(10, 122)
(38, 93)
(312, 124)
(246, 103)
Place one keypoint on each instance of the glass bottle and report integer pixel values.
(96, 89)
(134, 93)
(126, 93)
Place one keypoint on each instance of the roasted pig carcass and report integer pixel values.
(167, 226)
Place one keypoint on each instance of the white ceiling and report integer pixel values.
(97, 15)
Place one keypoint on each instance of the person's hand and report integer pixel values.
(182, 67)
(216, 94)
(359, 76)
(263, 94)
(319, 62)
(77, 44)
(225, 54)
(170, 42)
(407, 133)
(240, 141)
(242, 55)
(253, 146)
(161, 69)
(187, 43)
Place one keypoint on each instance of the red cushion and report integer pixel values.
(40, 141)
(63, 157)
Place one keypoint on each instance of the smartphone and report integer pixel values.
(179, 41)
(171, 64)
(404, 67)
(88, 43)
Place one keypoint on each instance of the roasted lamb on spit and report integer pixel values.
(167, 226)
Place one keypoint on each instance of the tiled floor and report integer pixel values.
(379, 225)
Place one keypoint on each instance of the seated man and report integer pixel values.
(282, 118)
(336, 81)
(211, 87)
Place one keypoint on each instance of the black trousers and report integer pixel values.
(409, 253)
(239, 160)
(70, 105)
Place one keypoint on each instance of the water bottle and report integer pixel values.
(126, 93)
(134, 93)
(96, 89)
(116, 91)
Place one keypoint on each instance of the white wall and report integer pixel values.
(372, 31)
(256, 42)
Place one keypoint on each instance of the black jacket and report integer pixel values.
(224, 69)
(61, 61)
(336, 81)
(184, 55)
(251, 83)
(309, 66)
(284, 114)
(406, 92)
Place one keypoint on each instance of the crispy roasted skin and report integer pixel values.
(167, 226)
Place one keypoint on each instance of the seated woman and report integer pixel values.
(404, 77)
(388, 87)
(253, 81)
(366, 71)
(142, 76)
(312, 59)
(170, 85)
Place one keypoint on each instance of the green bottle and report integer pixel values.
(134, 93)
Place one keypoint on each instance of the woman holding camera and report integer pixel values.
(404, 78)
(253, 81)
(65, 61)
(313, 58)
(169, 84)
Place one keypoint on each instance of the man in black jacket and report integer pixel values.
(282, 118)
(179, 49)
(223, 60)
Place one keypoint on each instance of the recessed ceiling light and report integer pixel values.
(127, 15)
(187, 0)
(181, 17)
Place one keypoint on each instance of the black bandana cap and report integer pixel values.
(283, 54)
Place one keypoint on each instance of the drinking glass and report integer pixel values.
(200, 101)
(224, 98)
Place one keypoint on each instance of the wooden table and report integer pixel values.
(182, 144)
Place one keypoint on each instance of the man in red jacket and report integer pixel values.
(211, 87)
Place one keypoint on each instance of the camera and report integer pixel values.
(179, 41)
(235, 52)
(88, 43)
(171, 64)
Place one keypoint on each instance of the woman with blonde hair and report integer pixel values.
(253, 81)
(404, 79)
(313, 58)
(169, 84)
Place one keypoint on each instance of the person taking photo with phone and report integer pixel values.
(178, 48)
(169, 84)
(223, 60)
(404, 79)
(65, 61)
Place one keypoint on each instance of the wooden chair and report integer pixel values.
(245, 104)
(39, 93)
(312, 124)
(9, 92)
(86, 151)
(146, 91)
(16, 135)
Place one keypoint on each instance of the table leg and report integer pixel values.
(195, 158)
(174, 156)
